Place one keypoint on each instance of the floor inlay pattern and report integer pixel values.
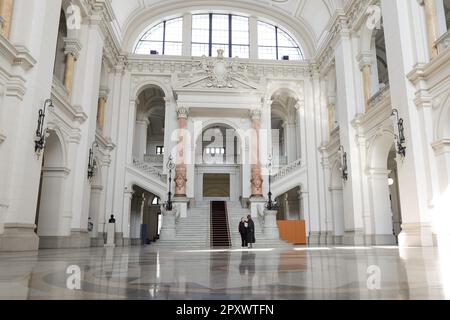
(299, 273)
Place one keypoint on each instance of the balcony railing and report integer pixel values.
(379, 96)
(154, 158)
(147, 169)
(443, 42)
(286, 170)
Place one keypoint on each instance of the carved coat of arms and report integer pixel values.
(220, 73)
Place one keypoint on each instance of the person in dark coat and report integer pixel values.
(250, 232)
(243, 232)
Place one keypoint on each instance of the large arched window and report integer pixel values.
(276, 44)
(165, 38)
(211, 32)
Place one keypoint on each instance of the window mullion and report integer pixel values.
(230, 36)
(210, 34)
(276, 41)
(164, 38)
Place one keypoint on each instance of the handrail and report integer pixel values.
(282, 172)
(146, 168)
(443, 42)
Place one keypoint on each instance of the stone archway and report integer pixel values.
(52, 225)
(381, 218)
(337, 199)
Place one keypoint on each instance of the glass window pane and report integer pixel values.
(155, 34)
(269, 53)
(200, 28)
(174, 30)
(266, 34)
(242, 52)
(145, 47)
(173, 48)
(200, 49)
(293, 53)
(220, 29)
(240, 27)
(284, 40)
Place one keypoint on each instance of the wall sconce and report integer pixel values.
(400, 136)
(344, 166)
(41, 134)
(92, 164)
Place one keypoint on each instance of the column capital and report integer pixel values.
(300, 105)
(73, 47)
(103, 93)
(365, 59)
(182, 113)
(255, 114)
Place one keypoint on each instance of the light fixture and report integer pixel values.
(400, 136)
(390, 181)
(170, 166)
(92, 164)
(271, 205)
(41, 134)
(344, 166)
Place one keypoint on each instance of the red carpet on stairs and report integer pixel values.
(220, 235)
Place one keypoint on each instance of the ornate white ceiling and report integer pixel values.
(307, 19)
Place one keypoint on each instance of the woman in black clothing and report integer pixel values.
(243, 232)
(250, 232)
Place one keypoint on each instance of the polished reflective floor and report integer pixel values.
(298, 273)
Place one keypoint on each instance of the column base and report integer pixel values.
(329, 238)
(384, 240)
(354, 238)
(416, 235)
(182, 205)
(119, 239)
(126, 242)
(338, 240)
(314, 239)
(136, 242)
(98, 241)
(77, 239)
(323, 238)
(257, 206)
(19, 237)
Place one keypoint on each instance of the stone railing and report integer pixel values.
(379, 96)
(147, 169)
(282, 172)
(154, 158)
(443, 42)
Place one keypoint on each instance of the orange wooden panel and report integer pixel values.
(292, 231)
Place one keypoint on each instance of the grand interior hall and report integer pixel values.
(224, 149)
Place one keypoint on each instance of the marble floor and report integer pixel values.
(259, 274)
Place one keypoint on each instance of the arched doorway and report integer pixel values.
(337, 202)
(149, 135)
(218, 164)
(145, 217)
(383, 191)
(286, 142)
(52, 225)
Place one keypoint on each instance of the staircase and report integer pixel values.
(235, 214)
(192, 232)
(195, 231)
(220, 235)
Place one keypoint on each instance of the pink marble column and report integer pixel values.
(180, 174)
(256, 180)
